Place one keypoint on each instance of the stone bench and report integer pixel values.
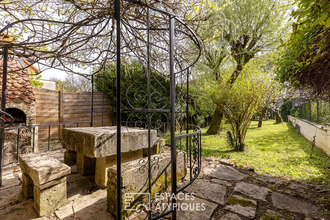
(135, 180)
(44, 179)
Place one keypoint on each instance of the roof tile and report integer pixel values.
(19, 88)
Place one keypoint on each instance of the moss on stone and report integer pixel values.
(270, 217)
(242, 202)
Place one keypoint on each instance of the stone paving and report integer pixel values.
(239, 193)
(227, 193)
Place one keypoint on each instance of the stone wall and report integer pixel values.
(309, 130)
(26, 135)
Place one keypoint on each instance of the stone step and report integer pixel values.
(135, 180)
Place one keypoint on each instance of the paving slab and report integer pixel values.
(269, 180)
(242, 206)
(77, 185)
(292, 204)
(251, 190)
(230, 216)
(10, 196)
(205, 189)
(85, 207)
(227, 162)
(224, 173)
(270, 214)
(22, 210)
(199, 209)
(221, 182)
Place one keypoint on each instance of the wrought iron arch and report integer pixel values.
(141, 30)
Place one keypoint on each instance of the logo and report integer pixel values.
(142, 201)
(137, 201)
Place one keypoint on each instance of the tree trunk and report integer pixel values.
(278, 118)
(215, 122)
(261, 116)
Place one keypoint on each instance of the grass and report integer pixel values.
(275, 150)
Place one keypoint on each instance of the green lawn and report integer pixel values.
(274, 149)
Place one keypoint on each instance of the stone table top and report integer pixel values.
(42, 168)
(96, 142)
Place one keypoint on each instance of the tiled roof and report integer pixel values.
(19, 88)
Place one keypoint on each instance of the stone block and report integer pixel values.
(205, 189)
(154, 150)
(42, 168)
(253, 191)
(104, 163)
(97, 142)
(27, 186)
(70, 157)
(135, 178)
(46, 200)
(283, 201)
(85, 165)
(223, 172)
(242, 206)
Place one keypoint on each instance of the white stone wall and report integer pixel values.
(309, 130)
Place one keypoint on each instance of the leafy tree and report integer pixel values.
(74, 83)
(240, 30)
(305, 60)
(242, 101)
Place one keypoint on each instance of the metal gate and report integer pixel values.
(161, 43)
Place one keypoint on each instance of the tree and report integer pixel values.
(242, 101)
(261, 116)
(74, 83)
(305, 60)
(73, 35)
(240, 29)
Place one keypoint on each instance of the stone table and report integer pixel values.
(94, 149)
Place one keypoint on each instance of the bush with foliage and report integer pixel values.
(201, 107)
(241, 102)
(305, 61)
(285, 109)
(134, 91)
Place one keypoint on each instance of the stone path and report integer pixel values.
(227, 193)
(234, 193)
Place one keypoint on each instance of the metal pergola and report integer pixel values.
(178, 72)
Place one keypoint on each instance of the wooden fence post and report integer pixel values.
(60, 110)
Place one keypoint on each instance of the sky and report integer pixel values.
(59, 74)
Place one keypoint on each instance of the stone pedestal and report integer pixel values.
(104, 163)
(70, 157)
(27, 186)
(47, 199)
(135, 180)
(85, 165)
(44, 179)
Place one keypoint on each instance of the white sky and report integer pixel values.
(53, 73)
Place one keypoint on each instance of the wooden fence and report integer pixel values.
(55, 107)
